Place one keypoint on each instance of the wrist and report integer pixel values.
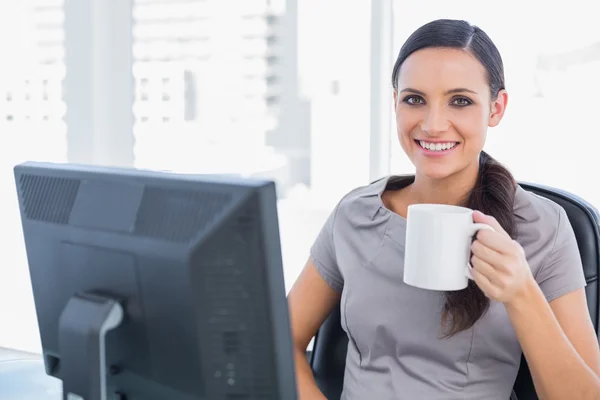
(525, 296)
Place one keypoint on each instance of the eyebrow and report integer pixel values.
(451, 91)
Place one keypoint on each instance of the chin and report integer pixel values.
(435, 171)
(436, 175)
(442, 170)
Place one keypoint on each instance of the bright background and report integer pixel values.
(294, 90)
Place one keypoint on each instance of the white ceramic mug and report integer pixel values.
(438, 246)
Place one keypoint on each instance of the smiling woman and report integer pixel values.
(448, 89)
(448, 94)
(527, 295)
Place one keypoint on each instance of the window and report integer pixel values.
(263, 89)
(257, 90)
(270, 89)
(32, 126)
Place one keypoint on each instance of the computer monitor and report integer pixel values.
(154, 285)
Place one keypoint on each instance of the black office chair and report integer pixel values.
(328, 358)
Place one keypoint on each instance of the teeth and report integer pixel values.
(437, 146)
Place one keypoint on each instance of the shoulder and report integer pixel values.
(361, 212)
(539, 222)
(364, 202)
(359, 223)
(532, 208)
(361, 202)
(545, 233)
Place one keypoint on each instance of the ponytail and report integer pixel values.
(493, 194)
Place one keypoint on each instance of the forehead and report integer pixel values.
(434, 69)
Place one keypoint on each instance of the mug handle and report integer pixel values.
(474, 229)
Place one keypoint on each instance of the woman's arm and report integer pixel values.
(557, 338)
(310, 301)
(559, 343)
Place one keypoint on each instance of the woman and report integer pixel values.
(528, 293)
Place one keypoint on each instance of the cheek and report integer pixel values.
(472, 125)
(406, 121)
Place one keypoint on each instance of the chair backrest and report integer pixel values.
(328, 358)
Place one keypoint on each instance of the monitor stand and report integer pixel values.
(83, 325)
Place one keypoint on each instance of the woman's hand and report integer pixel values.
(500, 268)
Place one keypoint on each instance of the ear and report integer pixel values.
(395, 100)
(498, 108)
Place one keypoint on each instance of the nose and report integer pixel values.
(435, 122)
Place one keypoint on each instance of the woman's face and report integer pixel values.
(443, 109)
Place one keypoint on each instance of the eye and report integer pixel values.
(414, 100)
(461, 102)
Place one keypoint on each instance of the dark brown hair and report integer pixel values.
(494, 191)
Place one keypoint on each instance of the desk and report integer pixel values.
(23, 377)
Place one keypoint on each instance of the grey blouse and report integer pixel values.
(396, 350)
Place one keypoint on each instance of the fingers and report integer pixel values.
(496, 241)
(480, 217)
(484, 284)
(486, 270)
(487, 254)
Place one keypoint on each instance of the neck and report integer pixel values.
(451, 190)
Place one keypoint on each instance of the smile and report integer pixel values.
(436, 147)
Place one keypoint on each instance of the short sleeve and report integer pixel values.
(322, 254)
(562, 272)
